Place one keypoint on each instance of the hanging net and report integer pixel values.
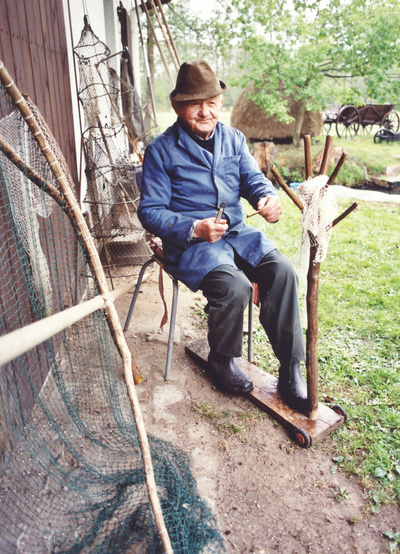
(114, 140)
(319, 211)
(72, 469)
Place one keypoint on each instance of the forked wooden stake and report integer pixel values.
(314, 269)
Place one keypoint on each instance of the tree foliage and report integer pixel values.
(294, 46)
(207, 38)
(319, 52)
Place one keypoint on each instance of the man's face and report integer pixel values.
(200, 116)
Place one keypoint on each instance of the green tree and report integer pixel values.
(293, 46)
(194, 37)
(209, 39)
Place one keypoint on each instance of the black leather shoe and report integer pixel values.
(293, 388)
(228, 375)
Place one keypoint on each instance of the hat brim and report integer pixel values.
(204, 94)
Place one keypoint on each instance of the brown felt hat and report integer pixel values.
(196, 81)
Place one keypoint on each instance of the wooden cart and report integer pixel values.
(350, 120)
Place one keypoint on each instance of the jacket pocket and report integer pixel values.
(232, 172)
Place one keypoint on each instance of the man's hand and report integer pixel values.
(270, 208)
(210, 231)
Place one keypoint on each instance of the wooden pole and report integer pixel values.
(337, 168)
(169, 31)
(22, 340)
(166, 39)
(312, 334)
(307, 156)
(146, 65)
(312, 306)
(326, 158)
(314, 270)
(287, 189)
(144, 8)
(345, 213)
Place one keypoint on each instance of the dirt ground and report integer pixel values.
(268, 494)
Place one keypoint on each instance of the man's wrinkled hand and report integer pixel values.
(210, 231)
(270, 208)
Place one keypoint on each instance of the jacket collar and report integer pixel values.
(186, 142)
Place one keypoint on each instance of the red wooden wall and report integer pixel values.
(33, 48)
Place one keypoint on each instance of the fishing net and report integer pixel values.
(72, 469)
(319, 211)
(114, 140)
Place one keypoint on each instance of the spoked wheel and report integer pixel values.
(348, 122)
(365, 129)
(392, 122)
(383, 135)
(301, 438)
(341, 411)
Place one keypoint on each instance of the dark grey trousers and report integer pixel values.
(228, 289)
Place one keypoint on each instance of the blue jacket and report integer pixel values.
(183, 182)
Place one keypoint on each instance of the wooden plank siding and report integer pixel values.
(33, 48)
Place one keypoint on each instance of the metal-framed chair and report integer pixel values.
(158, 258)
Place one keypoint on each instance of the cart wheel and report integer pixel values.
(383, 134)
(392, 122)
(341, 411)
(301, 438)
(347, 122)
(366, 129)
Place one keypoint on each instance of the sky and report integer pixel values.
(202, 7)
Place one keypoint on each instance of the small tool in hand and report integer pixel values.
(220, 212)
(254, 213)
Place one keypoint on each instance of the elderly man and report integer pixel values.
(189, 171)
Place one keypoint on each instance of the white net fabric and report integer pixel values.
(319, 211)
(27, 204)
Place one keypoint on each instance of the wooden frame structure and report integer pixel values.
(320, 420)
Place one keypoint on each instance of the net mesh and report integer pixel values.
(114, 140)
(319, 211)
(71, 471)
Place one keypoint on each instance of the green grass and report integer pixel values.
(359, 364)
(365, 159)
(375, 157)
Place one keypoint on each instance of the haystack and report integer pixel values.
(256, 125)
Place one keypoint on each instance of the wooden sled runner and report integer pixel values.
(304, 431)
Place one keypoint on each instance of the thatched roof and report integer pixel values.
(256, 125)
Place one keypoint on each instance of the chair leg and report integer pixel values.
(250, 330)
(137, 288)
(171, 328)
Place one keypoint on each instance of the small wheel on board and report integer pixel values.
(301, 438)
(339, 410)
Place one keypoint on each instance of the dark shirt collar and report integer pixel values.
(208, 143)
